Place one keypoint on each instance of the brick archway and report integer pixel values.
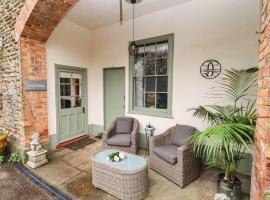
(33, 27)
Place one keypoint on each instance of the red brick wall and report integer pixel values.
(35, 106)
(261, 163)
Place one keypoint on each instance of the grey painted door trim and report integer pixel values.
(57, 67)
(104, 95)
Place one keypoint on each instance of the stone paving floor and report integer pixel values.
(16, 186)
(70, 171)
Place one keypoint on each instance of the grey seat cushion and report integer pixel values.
(123, 140)
(167, 152)
(124, 125)
(182, 134)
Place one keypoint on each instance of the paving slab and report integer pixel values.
(56, 173)
(77, 158)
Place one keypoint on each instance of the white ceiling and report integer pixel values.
(97, 13)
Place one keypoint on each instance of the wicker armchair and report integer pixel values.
(133, 136)
(187, 166)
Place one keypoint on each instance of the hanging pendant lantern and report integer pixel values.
(132, 45)
(132, 48)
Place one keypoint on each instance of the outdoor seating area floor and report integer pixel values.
(70, 172)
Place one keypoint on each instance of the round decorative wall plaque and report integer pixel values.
(210, 69)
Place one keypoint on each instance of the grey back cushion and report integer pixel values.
(124, 125)
(182, 134)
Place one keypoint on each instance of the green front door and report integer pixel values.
(71, 101)
(114, 94)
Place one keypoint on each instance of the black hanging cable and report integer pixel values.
(121, 12)
(133, 21)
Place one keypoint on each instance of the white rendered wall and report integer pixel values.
(204, 29)
(69, 44)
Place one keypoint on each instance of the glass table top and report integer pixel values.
(130, 162)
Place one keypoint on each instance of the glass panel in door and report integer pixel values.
(72, 111)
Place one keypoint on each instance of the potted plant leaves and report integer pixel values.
(231, 130)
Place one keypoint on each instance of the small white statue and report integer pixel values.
(35, 145)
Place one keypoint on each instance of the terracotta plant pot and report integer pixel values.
(3, 142)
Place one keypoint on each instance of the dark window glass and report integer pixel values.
(162, 100)
(150, 84)
(65, 103)
(64, 80)
(162, 84)
(65, 90)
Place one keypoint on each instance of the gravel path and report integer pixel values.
(15, 186)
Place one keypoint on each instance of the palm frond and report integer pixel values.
(224, 140)
(235, 84)
(205, 114)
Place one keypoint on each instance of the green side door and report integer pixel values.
(71, 103)
(114, 94)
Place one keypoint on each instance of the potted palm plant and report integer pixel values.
(231, 129)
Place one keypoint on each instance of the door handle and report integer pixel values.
(83, 109)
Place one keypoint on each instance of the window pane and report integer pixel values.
(76, 81)
(162, 100)
(140, 53)
(150, 51)
(76, 78)
(149, 67)
(78, 102)
(65, 90)
(162, 49)
(161, 66)
(138, 91)
(150, 99)
(64, 80)
(76, 90)
(65, 103)
(162, 84)
(138, 68)
(150, 84)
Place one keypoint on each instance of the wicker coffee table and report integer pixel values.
(127, 179)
